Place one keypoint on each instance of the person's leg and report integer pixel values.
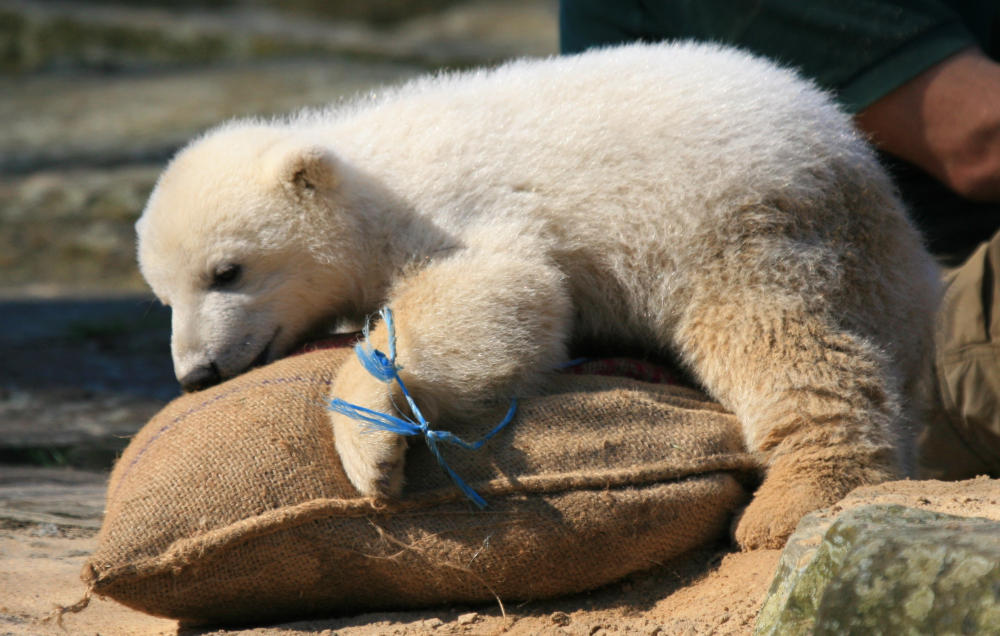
(964, 440)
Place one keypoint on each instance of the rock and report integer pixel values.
(49, 36)
(144, 118)
(979, 497)
(51, 498)
(75, 180)
(69, 427)
(886, 569)
(73, 227)
(560, 618)
(79, 377)
(85, 135)
(468, 619)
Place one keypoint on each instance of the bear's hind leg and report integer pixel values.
(819, 403)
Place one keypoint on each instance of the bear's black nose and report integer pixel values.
(201, 378)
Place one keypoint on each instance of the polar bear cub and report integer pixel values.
(684, 198)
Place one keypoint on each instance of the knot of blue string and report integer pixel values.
(385, 368)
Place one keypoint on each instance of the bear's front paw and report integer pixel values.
(776, 509)
(371, 458)
(801, 482)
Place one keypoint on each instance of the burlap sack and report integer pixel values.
(231, 505)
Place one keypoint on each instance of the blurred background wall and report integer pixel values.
(94, 96)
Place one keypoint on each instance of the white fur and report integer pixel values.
(681, 197)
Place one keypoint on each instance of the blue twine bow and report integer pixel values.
(384, 368)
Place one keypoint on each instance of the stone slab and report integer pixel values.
(903, 557)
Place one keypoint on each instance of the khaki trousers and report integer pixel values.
(964, 441)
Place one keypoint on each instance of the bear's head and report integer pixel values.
(246, 238)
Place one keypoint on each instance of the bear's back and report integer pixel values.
(675, 130)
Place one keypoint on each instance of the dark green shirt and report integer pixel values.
(859, 49)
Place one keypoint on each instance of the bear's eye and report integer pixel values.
(225, 275)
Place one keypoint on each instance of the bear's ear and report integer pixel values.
(308, 169)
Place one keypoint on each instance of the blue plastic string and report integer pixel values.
(385, 368)
(575, 362)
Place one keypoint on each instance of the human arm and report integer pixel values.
(946, 120)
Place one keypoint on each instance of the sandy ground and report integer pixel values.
(714, 591)
(48, 524)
